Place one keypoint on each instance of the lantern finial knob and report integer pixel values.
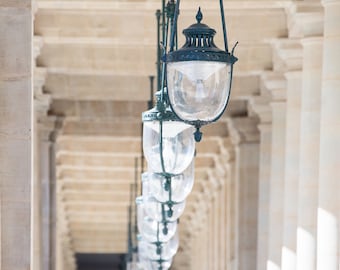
(199, 15)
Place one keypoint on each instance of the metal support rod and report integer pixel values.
(158, 16)
(163, 19)
(136, 176)
(176, 38)
(161, 146)
(174, 27)
(130, 233)
(150, 102)
(224, 27)
(141, 155)
(136, 191)
(165, 37)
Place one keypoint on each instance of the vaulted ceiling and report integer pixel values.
(93, 59)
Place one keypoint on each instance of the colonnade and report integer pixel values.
(276, 201)
(296, 186)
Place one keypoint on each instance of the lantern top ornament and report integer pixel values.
(199, 45)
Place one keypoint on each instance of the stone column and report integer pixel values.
(305, 19)
(222, 227)
(210, 237)
(15, 134)
(245, 137)
(309, 154)
(292, 157)
(47, 186)
(216, 181)
(222, 174)
(53, 194)
(231, 225)
(260, 105)
(205, 248)
(45, 195)
(287, 61)
(275, 83)
(216, 231)
(329, 164)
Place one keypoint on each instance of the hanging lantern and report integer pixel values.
(173, 188)
(167, 142)
(199, 76)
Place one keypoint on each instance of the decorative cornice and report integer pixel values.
(243, 130)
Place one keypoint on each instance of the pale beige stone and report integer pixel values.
(328, 204)
(309, 154)
(291, 174)
(15, 134)
(275, 234)
(245, 138)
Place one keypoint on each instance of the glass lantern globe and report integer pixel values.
(198, 90)
(154, 250)
(162, 212)
(170, 248)
(168, 146)
(143, 263)
(175, 188)
(151, 229)
(161, 264)
(199, 76)
(140, 212)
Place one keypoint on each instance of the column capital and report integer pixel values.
(275, 83)
(312, 41)
(38, 43)
(58, 125)
(34, 8)
(46, 125)
(216, 181)
(330, 2)
(287, 54)
(260, 105)
(305, 19)
(291, 75)
(42, 101)
(39, 80)
(243, 130)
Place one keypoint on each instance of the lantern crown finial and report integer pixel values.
(199, 45)
(199, 15)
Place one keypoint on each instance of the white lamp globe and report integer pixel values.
(161, 265)
(153, 251)
(175, 148)
(198, 90)
(162, 212)
(152, 230)
(175, 188)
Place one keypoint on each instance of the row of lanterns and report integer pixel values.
(194, 84)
